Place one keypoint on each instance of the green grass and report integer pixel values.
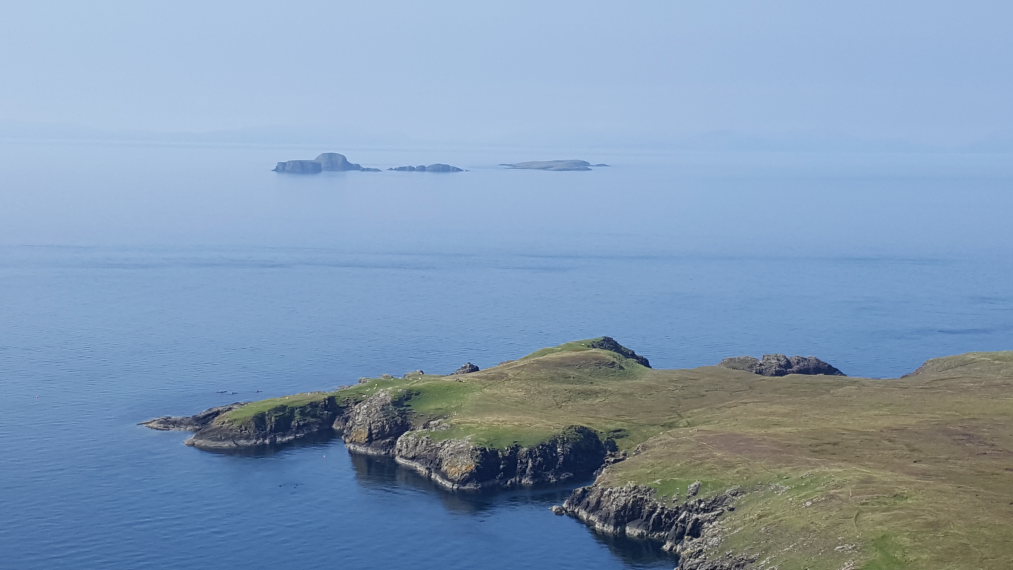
(907, 473)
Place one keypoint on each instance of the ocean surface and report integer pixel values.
(143, 280)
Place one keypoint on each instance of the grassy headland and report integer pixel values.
(837, 472)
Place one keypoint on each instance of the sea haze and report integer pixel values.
(139, 281)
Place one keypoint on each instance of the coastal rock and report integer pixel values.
(634, 511)
(299, 167)
(610, 344)
(274, 426)
(335, 162)
(189, 423)
(553, 165)
(780, 365)
(574, 454)
(466, 368)
(374, 425)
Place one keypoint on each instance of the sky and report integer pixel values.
(923, 72)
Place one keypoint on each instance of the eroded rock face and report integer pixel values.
(610, 344)
(299, 167)
(190, 423)
(635, 511)
(780, 365)
(373, 425)
(575, 454)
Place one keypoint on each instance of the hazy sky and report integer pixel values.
(923, 70)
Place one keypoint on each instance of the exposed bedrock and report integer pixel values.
(780, 365)
(374, 425)
(276, 426)
(190, 423)
(574, 454)
(610, 344)
(298, 167)
(685, 529)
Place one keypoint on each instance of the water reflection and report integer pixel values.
(384, 473)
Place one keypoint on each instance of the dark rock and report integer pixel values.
(608, 343)
(370, 169)
(574, 454)
(332, 161)
(557, 510)
(466, 368)
(554, 165)
(189, 423)
(281, 424)
(374, 425)
(299, 167)
(599, 165)
(634, 511)
(780, 365)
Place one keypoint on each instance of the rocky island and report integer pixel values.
(779, 462)
(326, 162)
(553, 165)
(438, 167)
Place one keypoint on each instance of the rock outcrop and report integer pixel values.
(374, 425)
(574, 454)
(282, 424)
(299, 167)
(554, 165)
(466, 368)
(610, 344)
(684, 529)
(190, 423)
(780, 365)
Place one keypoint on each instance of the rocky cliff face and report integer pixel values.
(686, 529)
(612, 345)
(780, 365)
(272, 427)
(576, 453)
(374, 425)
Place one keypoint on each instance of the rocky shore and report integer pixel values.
(778, 481)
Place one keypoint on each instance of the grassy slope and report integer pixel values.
(908, 473)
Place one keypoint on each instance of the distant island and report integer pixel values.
(438, 167)
(554, 165)
(755, 463)
(328, 161)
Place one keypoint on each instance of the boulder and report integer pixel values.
(466, 368)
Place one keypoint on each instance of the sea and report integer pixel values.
(142, 279)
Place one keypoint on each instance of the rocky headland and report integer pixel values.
(725, 470)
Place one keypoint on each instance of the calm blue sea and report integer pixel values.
(142, 280)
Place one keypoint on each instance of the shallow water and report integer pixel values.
(142, 281)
